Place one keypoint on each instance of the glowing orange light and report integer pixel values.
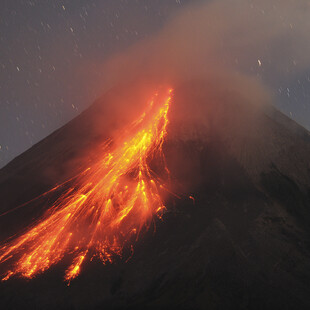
(108, 205)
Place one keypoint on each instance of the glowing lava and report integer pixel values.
(106, 207)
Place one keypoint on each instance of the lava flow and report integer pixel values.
(105, 208)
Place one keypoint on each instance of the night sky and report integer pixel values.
(44, 46)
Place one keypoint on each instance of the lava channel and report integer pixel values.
(106, 207)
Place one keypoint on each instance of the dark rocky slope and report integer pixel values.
(244, 244)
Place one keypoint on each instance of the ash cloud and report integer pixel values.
(245, 44)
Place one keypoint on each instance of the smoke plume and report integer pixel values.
(247, 44)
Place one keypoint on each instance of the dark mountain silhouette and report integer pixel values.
(243, 244)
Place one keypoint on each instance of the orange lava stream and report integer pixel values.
(105, 208)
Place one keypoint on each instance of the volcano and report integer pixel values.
(233, 229)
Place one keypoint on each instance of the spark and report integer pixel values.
(192, 198)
